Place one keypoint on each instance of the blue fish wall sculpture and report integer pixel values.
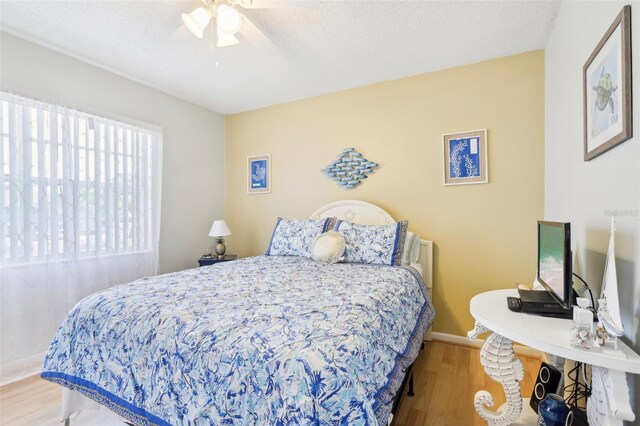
(349, 169)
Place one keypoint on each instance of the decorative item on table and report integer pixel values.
(259, 174)
(601, 335)
(581, 332)
(608, 303)
(350, 168)
(465, 157)
(552, 411)
(607, 89)
(219, 230)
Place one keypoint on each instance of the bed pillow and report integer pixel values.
(411, 252)
(374, 244)
(294, 237)
(328, 247)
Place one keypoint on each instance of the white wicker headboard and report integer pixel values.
(354, 211)
(370, 214)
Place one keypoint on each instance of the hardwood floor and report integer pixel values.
(446, 377)
(31, 401)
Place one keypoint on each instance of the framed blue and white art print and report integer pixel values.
(465, 157)
(259, 174)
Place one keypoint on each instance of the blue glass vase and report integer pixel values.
(552, 411)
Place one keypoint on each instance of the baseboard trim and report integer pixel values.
(464, 341)
(21, 369)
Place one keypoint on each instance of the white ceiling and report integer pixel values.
(321, 46)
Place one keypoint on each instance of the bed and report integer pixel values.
(260, 340)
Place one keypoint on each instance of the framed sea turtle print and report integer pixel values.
(259, 174)
(465, 157)
(607, 89)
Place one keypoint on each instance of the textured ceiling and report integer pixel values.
(320, 47)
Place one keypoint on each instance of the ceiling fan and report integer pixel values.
(228, 20)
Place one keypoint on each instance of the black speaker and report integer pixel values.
(548, 381)
(576, 417)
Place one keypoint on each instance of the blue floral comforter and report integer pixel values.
(262, 340)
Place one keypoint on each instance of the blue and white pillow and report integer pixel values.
(375, 244)
(295, 237)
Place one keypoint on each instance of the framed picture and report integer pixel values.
(607, 89)
(465, 157)
(259, 174)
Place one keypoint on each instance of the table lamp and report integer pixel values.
(219, 230)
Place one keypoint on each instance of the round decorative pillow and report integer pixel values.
(329, 247)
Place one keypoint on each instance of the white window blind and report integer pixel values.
(80, 212)
(73, 184)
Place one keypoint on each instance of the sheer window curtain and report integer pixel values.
(80, 198)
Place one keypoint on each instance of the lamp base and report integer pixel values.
(221, 249)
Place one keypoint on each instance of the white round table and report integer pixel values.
(550, 335)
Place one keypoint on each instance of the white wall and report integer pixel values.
(582, 192)
(193, 164)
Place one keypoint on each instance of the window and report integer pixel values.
(74, 184)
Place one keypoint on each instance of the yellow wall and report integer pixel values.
(484, 235)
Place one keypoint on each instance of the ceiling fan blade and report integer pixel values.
(256, 37)
(273, 4)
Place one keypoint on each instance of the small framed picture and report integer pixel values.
(465, 157)
(607, 89)
(259, 174)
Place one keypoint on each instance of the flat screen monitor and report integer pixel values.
(554, 260)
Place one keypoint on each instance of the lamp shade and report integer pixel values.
(197, 21)
(225, 39)
(219, 229)
(228, 20)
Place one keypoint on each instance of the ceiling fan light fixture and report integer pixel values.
(197, 21)
(228, 19)
(226, 39)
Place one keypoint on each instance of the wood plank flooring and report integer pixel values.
(31, 401)
(446, 378)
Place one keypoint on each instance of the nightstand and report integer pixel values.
(204, 261)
